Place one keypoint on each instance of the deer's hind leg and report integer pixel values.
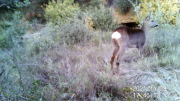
(120, 54)
(115, 51)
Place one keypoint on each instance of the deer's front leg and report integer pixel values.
(141, 53)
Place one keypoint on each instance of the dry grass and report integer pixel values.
(84, 70)
(57, 72)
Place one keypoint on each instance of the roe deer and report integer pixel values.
(124, 37)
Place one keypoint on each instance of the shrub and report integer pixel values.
(85, 4)
(123, 6)
(40, 42)
(13, 3)
(6, 15)
(62, 10)
(42, 1)
(95, 3)
(164, 11)
(12, 31)
(74, 31)
(103, 19)
(15, 74)
(163, 43)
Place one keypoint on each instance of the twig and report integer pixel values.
(135, 6)
(17, 66)
(3, 70)
(2, 5)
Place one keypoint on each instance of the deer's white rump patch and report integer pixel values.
(116, 35)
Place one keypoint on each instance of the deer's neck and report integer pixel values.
(145, 28)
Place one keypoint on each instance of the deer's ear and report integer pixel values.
(148, 17)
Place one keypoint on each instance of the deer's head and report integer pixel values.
(150, 22)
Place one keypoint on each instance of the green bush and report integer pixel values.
(12, 31)
(13, 3)
(6, 15)
(86, 4)
(42, 1)
(40, 43)
(164, 11)
(123, 6)
(8, 3)
(164, 42)
(72, 32)
(103, 19)
(62, 10)
(95, 3)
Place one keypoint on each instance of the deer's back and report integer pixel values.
(134, 37)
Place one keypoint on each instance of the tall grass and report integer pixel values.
(83, 69)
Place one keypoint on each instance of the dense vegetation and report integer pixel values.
(67, 58)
